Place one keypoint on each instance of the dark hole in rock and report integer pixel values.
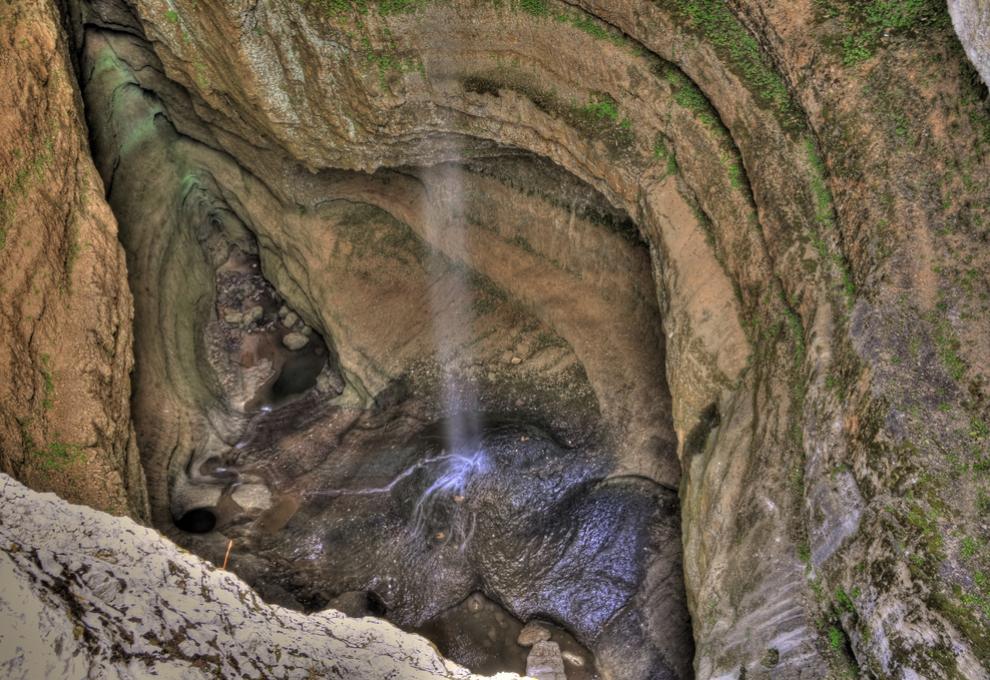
(376, 605)
(298, 374)
(698, 436)
(197, 521)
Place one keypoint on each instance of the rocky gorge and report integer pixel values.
(648, 333)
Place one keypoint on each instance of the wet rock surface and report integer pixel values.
(528, 521)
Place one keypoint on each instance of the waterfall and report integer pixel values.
(451, 305)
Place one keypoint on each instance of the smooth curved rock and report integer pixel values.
(85, 595)
(971, 19)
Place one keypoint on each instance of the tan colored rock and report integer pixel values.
(253, 314)
(532, 633)
(573, 659)
(822, 336)
(65, 324)
(295, 341)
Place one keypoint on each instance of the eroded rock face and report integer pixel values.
(88, 595)
(65, 307)
(806, 185)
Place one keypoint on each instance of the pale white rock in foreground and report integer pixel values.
(84, 594)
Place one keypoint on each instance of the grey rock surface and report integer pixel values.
(545, 662)
(971, 19)
(84, 594)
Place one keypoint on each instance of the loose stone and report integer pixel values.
(295, 341)
(254, 314)
(532, 633)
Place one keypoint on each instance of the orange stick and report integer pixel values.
(226, 558)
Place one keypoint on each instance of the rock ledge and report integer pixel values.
(85, 595)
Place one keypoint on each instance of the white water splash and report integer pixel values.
(450, 487)
(372, 491)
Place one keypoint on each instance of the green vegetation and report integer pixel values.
(716, 23)
(819, 187)
(662, 153)
(58, 455)
(864, 25)
(538, 8)
(601, 109)
(795, 326)
(836, 638)
(387, 63)
(844, 601)
(825, 221)
(25, 177)
(48, 379)
(688, 95)
(946, 343)
(55, 456)
(339, 8)
(733, 166)
(172, 16)
(598, 118)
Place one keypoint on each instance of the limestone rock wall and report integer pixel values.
(99, 596)
(971, 19)
(809, 178)
(818, 265)
(65, 307)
